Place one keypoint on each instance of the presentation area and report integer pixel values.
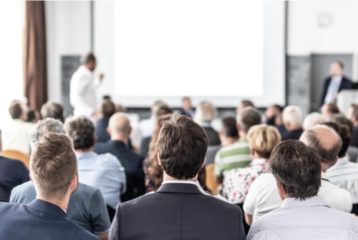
(217, 50)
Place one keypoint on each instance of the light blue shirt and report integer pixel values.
(104, 172)
(310, 219)
(333, 89)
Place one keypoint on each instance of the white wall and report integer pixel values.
(322, 27)
(68, 33)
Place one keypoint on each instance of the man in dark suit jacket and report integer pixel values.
(335, 83)
(179, 209)
(12, 173)
(119, 129)
(53, 169)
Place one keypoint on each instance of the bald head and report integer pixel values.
(325, 141)
(119, 127)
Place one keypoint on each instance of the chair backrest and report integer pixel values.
(14, 154)
(210, 180)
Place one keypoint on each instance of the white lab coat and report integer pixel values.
(83, 95)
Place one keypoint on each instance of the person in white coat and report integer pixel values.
(83, 88)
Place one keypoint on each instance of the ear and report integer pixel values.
(108, 131)
(74, 184)
(281, 190)
(158, 160)
(204, 163)
(130, 130)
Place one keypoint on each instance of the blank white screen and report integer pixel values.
(207, 49)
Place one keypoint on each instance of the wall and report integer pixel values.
(68, 33)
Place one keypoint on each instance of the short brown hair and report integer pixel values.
(248, 117)
(262, 139)
(182, 146)
(81, 131)
(52, 110)
(88, 58)
(53, 164)
(16, 109)
(108, 108)
(297, 168)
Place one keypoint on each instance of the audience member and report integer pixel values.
(119, 129)
(52, 110)
(147, 125)
(204, 115)
(328, 109)
(237, 155)
(102, 171)
(12, 173)
(197, 211)
(53, 170)
(228, 135)
(292, 119)
(328, 144)
(335, 83)
(262, 139)
(273, 115)
(86, 206)
(313, 119)
(108, 108)
(16, 134)
(244, 104)
(344, 173)
(153, 172)
(32, 116)
(353, 116)
(186, 107)
(303, 214)
(161, 110)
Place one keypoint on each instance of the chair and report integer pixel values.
(14, 154)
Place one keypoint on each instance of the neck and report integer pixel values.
(120, 138)
(166, 177)
(242, 135)
(324, 167)
(228, 141)
(84, 150)
(61, 203)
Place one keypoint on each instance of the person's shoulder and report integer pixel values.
(108, 158)
(86, 190)
(76, 232)
(10, 210)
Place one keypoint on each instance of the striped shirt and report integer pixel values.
(236, 155)
(345, 175)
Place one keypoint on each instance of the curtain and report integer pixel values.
(35, 62)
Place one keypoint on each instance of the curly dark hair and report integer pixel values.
(81, 131)
(297, 167)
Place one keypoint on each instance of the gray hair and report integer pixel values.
(48, 125)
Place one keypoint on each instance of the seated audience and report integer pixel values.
(262, 139)
(228, 135)
(186, 107)
(237, 155)
(53, 170)
(328, 144)
(153, 172)
(204, 115)
(107, 109)
(273, 115)
(119, 129)
(344, 173)
(52, 110)
(102, 171)
(303, 214)
(313, 119)
(353, 116)
(12, 173)
(179, 206)
(263, 196)
(329, 109)
(86, 206)
(16, 134)
(161, 110)
(292, 119)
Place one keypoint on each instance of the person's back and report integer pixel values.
(179, 209)
(38, 220)
(311, 219)
(12, 173)
(86, 207)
